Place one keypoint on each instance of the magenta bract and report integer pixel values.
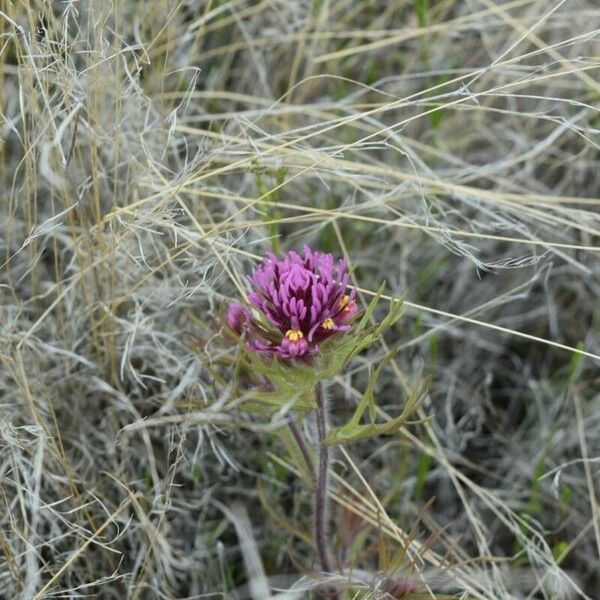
(303, 299)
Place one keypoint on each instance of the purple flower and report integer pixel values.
(238, 317)
(303, 300)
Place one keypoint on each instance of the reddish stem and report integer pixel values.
(321, 488)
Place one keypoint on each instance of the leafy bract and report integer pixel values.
(356, 430)
(292, 384)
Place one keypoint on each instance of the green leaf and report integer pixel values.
(274, 401)
(292, 447)
(421, 8)
(368, 397)
(565, 497)
(423, 467)
(353, 430)
(575, 360)
(370, 309)
(560, 550)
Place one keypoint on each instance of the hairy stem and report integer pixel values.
(321, 487)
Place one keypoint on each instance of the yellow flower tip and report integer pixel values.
(294, 335)
(345, 303)
(328, 324)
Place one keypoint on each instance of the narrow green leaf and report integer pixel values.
(370, 309)
(292, 447)
(423, 467)
(421, 8)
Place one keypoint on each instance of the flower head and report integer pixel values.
(303, 301)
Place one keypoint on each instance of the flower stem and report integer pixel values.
(321, 487)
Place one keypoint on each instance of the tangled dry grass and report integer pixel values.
(150, 151)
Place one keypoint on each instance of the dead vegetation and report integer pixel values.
(151, 151)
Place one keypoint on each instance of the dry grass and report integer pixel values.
(150, 151)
